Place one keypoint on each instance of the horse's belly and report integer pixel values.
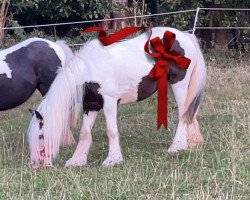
(15, 91)
(11, 99)
(130, 96)
(144, 89)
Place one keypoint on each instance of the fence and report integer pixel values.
(195, 27)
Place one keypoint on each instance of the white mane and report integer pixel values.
(65, 93)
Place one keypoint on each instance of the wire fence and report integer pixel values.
(133, 17)
(98, 20)
(195, 26)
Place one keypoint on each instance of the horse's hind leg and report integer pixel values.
(194, 135)
(85, 140)
(180, 139)
(188, 132)
(110, 112)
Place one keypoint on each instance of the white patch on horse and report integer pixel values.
(62, 49)
(4, 69)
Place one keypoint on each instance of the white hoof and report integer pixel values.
(112, 160)
(177, 146)
(74, 161)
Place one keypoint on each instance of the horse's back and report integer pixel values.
(26, 66)
(121, 67)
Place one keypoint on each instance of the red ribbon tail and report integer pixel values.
(162, 101)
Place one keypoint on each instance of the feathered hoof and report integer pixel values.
(112, 160)
(176, 147)
(195, 140)
(195, 144)
(74, 162)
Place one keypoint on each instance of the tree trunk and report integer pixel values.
(142, 11)
(3, 12)
(118, 24)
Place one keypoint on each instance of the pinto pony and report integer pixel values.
(27, 66)
(30, 65)
(113, 75)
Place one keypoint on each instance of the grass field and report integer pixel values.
(218, 170)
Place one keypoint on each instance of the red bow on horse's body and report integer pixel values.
(163, 54)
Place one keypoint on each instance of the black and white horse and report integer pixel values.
(27, 66)
(30, 65)
(113, 75)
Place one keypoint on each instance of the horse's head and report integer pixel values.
(36, 138)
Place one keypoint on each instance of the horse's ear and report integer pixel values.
(38, 116)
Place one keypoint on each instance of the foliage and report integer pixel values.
(51, 11)
(225, 18)
(31, 12)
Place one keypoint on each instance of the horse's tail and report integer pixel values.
(67, 50)
(196, 84)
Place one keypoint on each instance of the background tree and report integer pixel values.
(3, 12)
(31, 12)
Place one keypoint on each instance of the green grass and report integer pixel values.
(218, 170)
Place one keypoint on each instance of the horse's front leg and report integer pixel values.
(110, 112)
(85, 140)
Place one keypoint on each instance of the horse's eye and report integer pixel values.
(41, 137)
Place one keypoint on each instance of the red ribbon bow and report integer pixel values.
(163, 53)
(159, 72)
(108, 40)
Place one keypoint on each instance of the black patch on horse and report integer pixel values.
(33, 67)
(193, 107)
(176, 73)
(93, 100)
(148, 86)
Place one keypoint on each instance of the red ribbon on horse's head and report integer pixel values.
(115, 37)
(164, 54)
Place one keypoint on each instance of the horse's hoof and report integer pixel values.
(175, 148)
(193, 145)
(195, 141)
(73, 162)
(111, 161)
